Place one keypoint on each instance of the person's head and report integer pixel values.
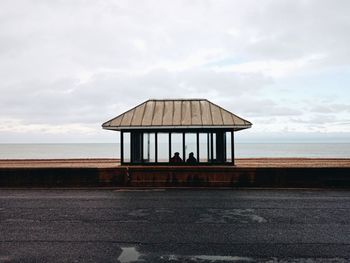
(191, 154)
(177, 154)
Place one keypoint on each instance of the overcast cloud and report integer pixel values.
(68, 66)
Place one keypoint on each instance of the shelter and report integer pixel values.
(168, 131)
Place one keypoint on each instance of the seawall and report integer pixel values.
(263, 172)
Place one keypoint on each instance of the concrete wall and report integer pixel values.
(62, 177)
(175, 177)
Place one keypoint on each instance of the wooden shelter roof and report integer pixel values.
(176, 113)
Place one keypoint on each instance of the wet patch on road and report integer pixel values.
(147, 214)
(204, 258)
(225, 216)
(131, 255)
(5, 259)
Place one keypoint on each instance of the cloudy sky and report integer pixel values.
(68, 66)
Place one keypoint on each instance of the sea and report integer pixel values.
(112, 150)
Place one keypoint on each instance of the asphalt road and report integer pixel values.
(187, 225)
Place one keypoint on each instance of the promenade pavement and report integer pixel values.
(240, 163)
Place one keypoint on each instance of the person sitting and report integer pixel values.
(176, 158)
(191, 159)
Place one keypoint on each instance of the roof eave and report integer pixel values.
(119, 128)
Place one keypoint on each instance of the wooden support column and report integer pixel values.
(156, 145)
(197, 146)
(211, 148)
(121, 147)
(183, 147)
(170, 146)
(233, 147)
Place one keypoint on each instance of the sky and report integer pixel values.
(68, 66)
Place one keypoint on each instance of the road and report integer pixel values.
(174, 225)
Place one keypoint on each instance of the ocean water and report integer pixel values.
(112, 150)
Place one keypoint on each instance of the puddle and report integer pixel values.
(258, 219)
(139, 190)
(139, 212)
(230, 216)
(148, 212)
(5, 259)
(164, 210)
(222, 258)
(128, 255)
(217, 258)
(20, 220)
(205, 258)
